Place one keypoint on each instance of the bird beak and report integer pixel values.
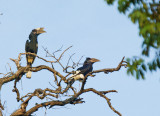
(94, 60)
(40, 30)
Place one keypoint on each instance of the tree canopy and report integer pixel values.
(146, 14)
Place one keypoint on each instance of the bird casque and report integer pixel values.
(32, 47)
(81, 72)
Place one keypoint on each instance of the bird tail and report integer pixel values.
(70, 82)
(30, 60)
(29, 74)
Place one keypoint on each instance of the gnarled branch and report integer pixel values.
(59, 90)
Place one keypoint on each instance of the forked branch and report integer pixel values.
(107, 70)
(59, 90)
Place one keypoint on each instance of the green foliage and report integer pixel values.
(147, 15)
(110, 1)
(123, 5)
(136, 67)
(154, 65)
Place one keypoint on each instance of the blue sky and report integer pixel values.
(95, 30)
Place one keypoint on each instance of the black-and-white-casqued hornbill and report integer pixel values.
(32, 47)
(82, 71)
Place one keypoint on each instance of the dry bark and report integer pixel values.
(42, 94)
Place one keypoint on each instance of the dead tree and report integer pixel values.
(72, 98)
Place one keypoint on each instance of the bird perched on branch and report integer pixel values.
(32, 47)
(81, 72)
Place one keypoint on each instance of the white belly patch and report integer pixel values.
(77, 76)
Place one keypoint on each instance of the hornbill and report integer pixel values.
(32, 47)
(81, 72)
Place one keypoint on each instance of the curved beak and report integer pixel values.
(94, 60)
(40, 30)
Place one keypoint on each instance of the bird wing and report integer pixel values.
(85, 69)
(27, 46)
(36, 50)
(29, 58)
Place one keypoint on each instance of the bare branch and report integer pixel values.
(63, 53)
(102, 95)
(41, 67)
(60, 49)
(67, 66)
(73, 97)
(16, 90)
(19, 57)
(112, 69)
(53, 57)
(79, 61)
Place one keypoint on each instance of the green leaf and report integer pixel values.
(137, 75)
(123, 5)
(144, 67)
(142, 74)
(110, 2)
(158, 62)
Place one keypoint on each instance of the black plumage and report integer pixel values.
(83, 71)
(32, 47)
